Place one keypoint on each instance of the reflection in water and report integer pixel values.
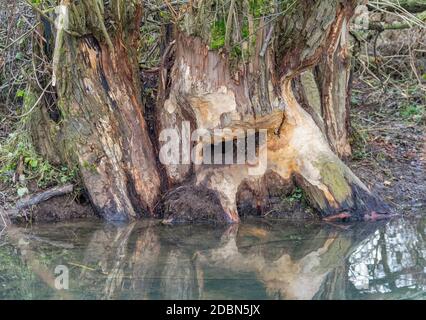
(258, 259)
(391, 260)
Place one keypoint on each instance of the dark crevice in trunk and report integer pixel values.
(149, 92)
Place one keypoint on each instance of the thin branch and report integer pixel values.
(36, 103)
(229, 25)
(4, 218)
(267, 40)
(21, 37)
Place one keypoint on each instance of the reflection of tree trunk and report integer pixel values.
(385, 261)
(144, 262)
(119, 252)
(292, 262)
(179, 279)
(284, 276)
(334, 286)
(151, 265)
(108, 251)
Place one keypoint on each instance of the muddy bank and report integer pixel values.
(389, 147)
(56, 209)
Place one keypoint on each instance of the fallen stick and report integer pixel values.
(43, 196)
(4, 218)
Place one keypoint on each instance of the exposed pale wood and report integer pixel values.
(205, 92)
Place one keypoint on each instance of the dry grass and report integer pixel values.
(389, 112)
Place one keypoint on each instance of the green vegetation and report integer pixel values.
(333, 176)
(19, 160)
(259, 8)
(218, 35)
(296, 197)
(359, 142)
(18, 154)
(413, 112)
(22, 168)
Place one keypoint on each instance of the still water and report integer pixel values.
(258, 259)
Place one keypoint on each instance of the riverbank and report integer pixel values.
(389, 153)
(389, 146)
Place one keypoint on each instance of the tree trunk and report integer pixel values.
(102, 127)
(324, 91)
(211, 91)
(248, 70)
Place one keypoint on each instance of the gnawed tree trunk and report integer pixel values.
(212, 89)
(256, 77)
(324, 91)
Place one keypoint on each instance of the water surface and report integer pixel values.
(258, 259)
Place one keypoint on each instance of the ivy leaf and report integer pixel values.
(20, 93)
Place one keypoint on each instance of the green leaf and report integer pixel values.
(20, 93)
(34, 163)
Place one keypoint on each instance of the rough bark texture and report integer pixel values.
(324, 91)
(102, 127)
(286, 74)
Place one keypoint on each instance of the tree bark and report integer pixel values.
(208, 91)
(256, 78)
(324, 91)
(102, 128)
